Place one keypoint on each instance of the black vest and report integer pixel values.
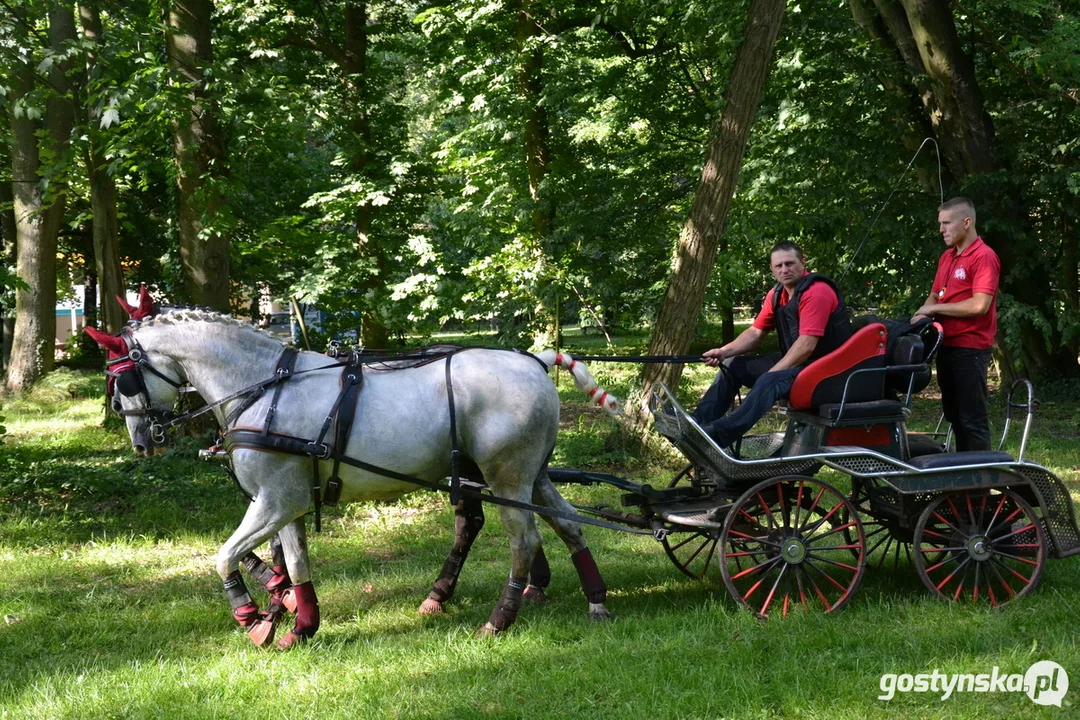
(837, 330)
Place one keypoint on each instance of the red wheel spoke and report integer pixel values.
(1014, 572)
(837, 547)
(752, 590)
(817, 590)
(1003, 582)
(755, 538)
(813, 506)
(832, 562)
(826, 575)
(798, 503)
(768, 512)
(955, 529)
(822, 536)
(960, 586)
(747, 571)
(783, 508)
(1001, 504)
(1017, 558)
(951, 558)
(1009, 519)
(1014, 532)
(971, 511)
(955, 512)
(772, 591)
(928, 531)
(949, 577)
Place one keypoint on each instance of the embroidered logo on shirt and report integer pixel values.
(960, 274)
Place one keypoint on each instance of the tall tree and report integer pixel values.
(199, 156)
(38, 205)
(103, 208)
(699, 240)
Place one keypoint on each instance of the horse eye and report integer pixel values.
(116, 405)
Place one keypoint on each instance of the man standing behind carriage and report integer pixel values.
(808, 313)
(963, 302)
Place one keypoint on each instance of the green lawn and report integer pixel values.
(115, 610)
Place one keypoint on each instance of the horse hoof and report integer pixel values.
(487, 630)
(431, 606)
(290, 640)
(534, 595)
(262, 633)
(288, 599)
(598, 613)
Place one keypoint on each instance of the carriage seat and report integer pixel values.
(821, 383)
(955, 459)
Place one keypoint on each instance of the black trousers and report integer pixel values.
(962, 378)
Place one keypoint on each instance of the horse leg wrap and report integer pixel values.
(307, 610)
(244, 609)
(540, 572)
(505, 612)
(591, 583)
(257, 569)
(444, 585)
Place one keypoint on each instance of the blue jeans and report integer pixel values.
(765, 389)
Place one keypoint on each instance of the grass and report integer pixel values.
(106, 562)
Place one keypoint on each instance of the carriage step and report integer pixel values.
(701, 514)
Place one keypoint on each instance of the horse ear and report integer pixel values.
(112, 343)
(146, 304)
(129, 309)
(145, 308)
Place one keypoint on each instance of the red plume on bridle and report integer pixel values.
(145, 308)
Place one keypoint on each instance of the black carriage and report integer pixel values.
(978, 526)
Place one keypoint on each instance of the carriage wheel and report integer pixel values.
(691, 552)
(784, 545)
(886, 543)
(981, 545)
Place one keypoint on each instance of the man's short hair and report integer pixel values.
(784, 246)
(962, 204)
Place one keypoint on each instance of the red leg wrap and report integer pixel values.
(307, 610)
(246, 615)
(591, 583)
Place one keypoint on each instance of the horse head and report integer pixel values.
(143, 386)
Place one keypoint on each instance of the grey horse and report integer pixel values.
(507, 416)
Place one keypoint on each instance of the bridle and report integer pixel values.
(126, 374)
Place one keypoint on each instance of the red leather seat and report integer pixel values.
(823, 380)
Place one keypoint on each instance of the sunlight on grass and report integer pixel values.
(107, 562)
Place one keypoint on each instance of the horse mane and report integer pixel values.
(179, 315)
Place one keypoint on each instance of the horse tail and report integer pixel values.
(584, 380)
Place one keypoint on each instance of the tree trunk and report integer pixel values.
(199, 154)
(37, 226)
(7, 253)
(106, 226)
(537, 139)
(912, 120)
(695, 253)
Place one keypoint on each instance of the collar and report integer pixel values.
(978, 242)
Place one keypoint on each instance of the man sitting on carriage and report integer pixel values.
(807, 310)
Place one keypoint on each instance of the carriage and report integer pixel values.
(978, 526)
(299, 432)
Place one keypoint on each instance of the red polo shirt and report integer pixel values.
(816, 304)
(976, 270)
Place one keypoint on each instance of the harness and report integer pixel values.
(341, 418)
